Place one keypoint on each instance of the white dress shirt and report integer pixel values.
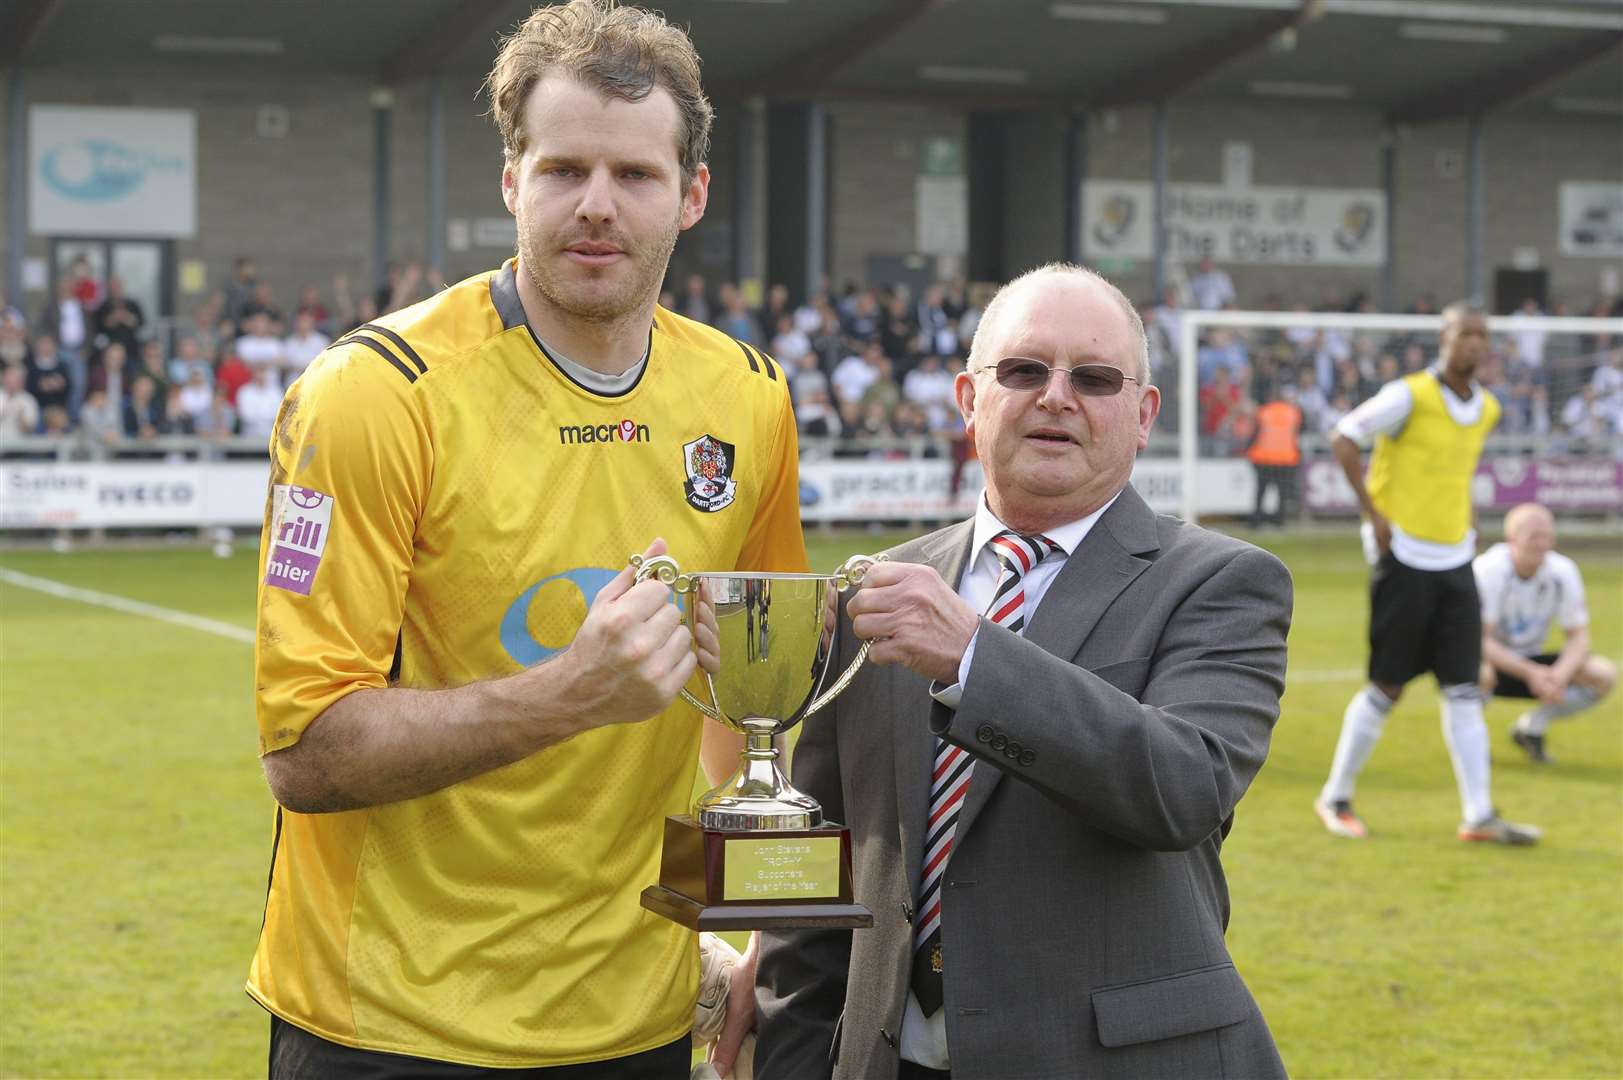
(924, 1038)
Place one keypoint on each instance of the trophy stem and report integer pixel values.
(757, 796)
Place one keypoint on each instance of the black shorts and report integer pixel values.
(1423, 620)
(295, 1054)
(1512, 685)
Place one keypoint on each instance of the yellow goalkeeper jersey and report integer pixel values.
(445, 502)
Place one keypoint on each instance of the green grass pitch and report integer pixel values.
(135, 829)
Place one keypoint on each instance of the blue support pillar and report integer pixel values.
(1389, 182)
(1076, 175)
(382, 108)
(1158, 212)
(435, 248)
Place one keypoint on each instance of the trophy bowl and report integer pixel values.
(775, 634)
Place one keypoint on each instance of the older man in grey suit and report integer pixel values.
(1068, 697)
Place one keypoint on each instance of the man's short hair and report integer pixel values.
(1063, 269)
(621, 52)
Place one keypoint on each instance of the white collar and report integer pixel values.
(1068, 536)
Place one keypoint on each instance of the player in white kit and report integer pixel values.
(1525, 586)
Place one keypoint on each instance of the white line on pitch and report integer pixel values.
(128, 606)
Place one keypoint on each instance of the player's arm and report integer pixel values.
(1507, 660)
(1383, 414)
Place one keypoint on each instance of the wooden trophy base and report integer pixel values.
(778, 879)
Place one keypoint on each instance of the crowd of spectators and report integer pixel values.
(870, 367)
(92, 364)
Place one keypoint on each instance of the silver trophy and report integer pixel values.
(776, 636)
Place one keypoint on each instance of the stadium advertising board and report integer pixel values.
(1244, 225)
(147, 494)
(112, 172)
(921, 490)
(1572, 485)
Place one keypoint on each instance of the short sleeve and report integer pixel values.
(351, 466)
(775, 541)
(1574, 612)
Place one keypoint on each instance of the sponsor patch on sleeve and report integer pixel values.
(301, 520)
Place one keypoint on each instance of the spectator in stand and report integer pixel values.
(310, 304)
(1414, 358)
(1218, 401)
(176, 420)
(1585, 420)
(1608, 383)
(979, 295)
(264, 303)
(48, 377)
(898, 333)
(807, 379)
(852, 378)
(929, 388)
(65, 320)
(188, 357)
(828, 341)
(695, 302)
(1211, 289)
(220, 422)
(110, 375)
(120, 318)
(206, 320)
(232, 375)
(735, 319)
(239, 290)
(1387, 369)
(344, 315)
(1311, 399)
(54, 421)
(13, 338)
(144, 413)
(258, 402)
(1223, 349)
(1529, 342)
(301, 346)
(885, 390)
(809, 316)
(19, 412)
(777, 309)
(938, 330)
(259, 345)
(790, 343)
(101, 422)
(816, 416)
(152, 364)
(196, 398)
(860, 320)
(873, 422)
(86, 288)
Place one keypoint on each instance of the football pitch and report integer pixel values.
(135, 832)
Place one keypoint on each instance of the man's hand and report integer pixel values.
(1546, 685)
(632, 654)
(1383, 532)
(706, 634)
(740, 1010)
(913, 618)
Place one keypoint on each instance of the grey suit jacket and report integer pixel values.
(1084, 904)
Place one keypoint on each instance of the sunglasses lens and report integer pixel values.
(1096, 380)
(1022, 374)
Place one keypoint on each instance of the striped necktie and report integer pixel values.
(949, 779)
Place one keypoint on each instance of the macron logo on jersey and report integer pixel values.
(301, 519)
(627, 430)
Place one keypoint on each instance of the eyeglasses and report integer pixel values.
(1088, 380)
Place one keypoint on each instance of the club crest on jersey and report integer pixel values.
(709, 462)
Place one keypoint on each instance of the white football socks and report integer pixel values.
(1360, 730)
(1575, 700)
(1467, 736)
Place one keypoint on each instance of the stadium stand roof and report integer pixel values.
(1415, 60)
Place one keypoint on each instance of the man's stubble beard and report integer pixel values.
(648, 275)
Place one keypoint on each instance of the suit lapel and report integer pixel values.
(948, 552)
(1095, 574)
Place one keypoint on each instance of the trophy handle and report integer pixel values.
(848, 576)
(667, 570)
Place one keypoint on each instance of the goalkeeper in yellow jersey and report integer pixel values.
(465, 705)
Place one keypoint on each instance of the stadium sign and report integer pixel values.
(112, 172)
(1248, 225)
(1565, 485)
